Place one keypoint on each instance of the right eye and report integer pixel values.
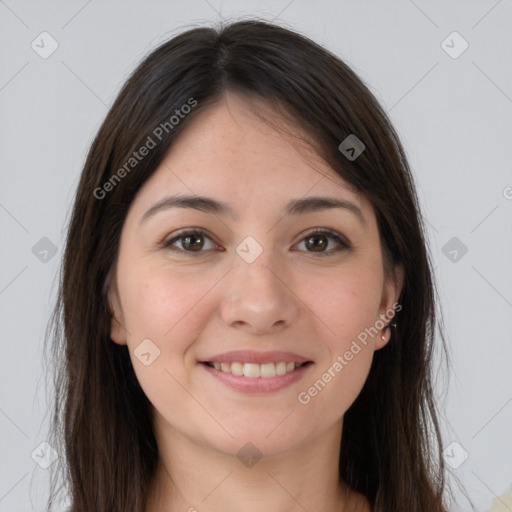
(191, 240)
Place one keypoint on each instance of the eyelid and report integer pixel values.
(343, 242)
(167, 242)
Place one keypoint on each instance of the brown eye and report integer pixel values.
(197, 241)
(190, 241)
(316, 243)
(319, 240)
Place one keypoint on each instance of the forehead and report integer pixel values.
(230, 152)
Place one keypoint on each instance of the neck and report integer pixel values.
(193, 477)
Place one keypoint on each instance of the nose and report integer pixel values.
(259, 297)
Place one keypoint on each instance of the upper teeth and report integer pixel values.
(256, 370)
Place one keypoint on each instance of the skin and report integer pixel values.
(192, 305)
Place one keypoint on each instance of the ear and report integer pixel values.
(117, 331)
(389, 304)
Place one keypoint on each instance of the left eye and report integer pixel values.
(318, 240)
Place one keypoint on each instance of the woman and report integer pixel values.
(247, 303)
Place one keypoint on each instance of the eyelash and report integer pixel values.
(343, 244)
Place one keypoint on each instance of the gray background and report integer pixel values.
(454, 117)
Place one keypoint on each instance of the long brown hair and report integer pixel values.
(391, 444)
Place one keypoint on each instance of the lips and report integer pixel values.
(257, 372)
(257, 386)
(249, 356)
(254, 370)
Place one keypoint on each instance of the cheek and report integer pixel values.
(170, 307)
(347, 307)
(164, 306)
(339, 377)
(347, 303)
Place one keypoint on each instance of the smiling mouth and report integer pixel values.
(255, 370)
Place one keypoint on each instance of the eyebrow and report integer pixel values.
(210, 205)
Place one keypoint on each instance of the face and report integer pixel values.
(209, 297)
